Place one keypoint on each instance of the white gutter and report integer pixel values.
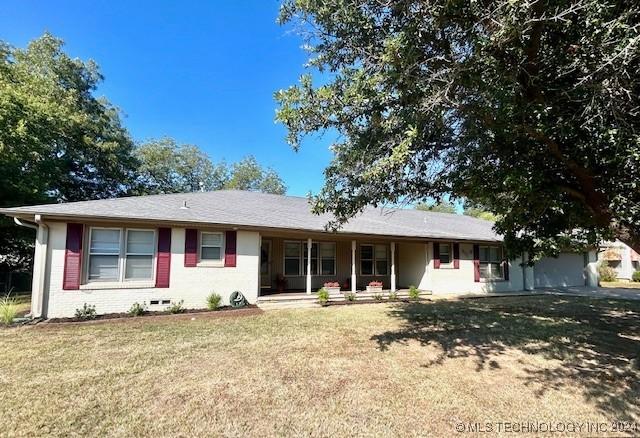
(24, 224)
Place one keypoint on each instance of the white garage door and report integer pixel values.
(566, 270)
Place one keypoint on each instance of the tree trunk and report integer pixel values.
(629, 236)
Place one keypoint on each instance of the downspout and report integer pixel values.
(39, 265)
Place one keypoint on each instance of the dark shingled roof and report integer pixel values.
(251, 209)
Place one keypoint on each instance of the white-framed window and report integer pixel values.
(374, 259)
(292, 257)
(445, 254)
(323, 258)
(104, 254)
(327, 258)
(120, 254)
(491, 263)
(211, 246)
(139, 253)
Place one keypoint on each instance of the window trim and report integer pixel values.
(303, 255)
(443, 265)
(375, 259)
(500, 263)
(154, 254)
(211, 262)
(122, 248)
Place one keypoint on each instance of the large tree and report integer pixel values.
(167, 167)
(530, 108)
(58, 141)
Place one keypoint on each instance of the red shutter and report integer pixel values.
(164, 257)
(476, 263)
(73, 258)
(230, 249)
(436, 255)
(190, 248)
(456, 256)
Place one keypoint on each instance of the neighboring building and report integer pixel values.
(166, 248)
(621, 258)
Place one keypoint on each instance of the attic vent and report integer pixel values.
(184, 205)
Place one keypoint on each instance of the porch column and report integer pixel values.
(309, 243)
(353, 266)
(393, 266)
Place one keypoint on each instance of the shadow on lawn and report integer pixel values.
(596, 341)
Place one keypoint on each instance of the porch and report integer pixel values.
(294, 264)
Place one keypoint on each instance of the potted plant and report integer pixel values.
(374, 286)
(333, 287)
(281, 283)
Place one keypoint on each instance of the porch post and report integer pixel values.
(309, 243)
(353, 266)
(393, 266)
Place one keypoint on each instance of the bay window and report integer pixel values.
(491, 263)
(116, 254)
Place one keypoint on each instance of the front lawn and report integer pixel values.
(621, 284)
(376, 370)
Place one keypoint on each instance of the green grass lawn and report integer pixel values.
(376, 370)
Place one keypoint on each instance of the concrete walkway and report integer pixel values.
(595, 292)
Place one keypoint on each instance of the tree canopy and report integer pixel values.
(166, 167)
(58, 142)
(529, 108)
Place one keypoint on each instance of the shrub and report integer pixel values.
(323, 296)
(414, 292)
(176, 307)
(213, 301)
(8, 309)
(393, 296)
(350, 296)
(332, 284)
(87, 311)
(377, 297)
(375, 283)
(137, 309)
(636, 276)
(607, 273)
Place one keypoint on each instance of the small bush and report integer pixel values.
(323, 296)
(377, 297)
(414, 292)
(636, 276)
(87, 311)
(8, 309)
(176, 307)
(350, 296)
(607, 273)
(213, 301)
(393, 296)
(137, 309)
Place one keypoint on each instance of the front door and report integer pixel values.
(265, 265)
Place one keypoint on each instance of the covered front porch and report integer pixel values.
(294, 263)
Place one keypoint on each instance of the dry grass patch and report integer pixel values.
(621, 284)
(376, 370)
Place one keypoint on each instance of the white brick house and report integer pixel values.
(166, 248)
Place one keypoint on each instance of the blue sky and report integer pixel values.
(202, 72)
